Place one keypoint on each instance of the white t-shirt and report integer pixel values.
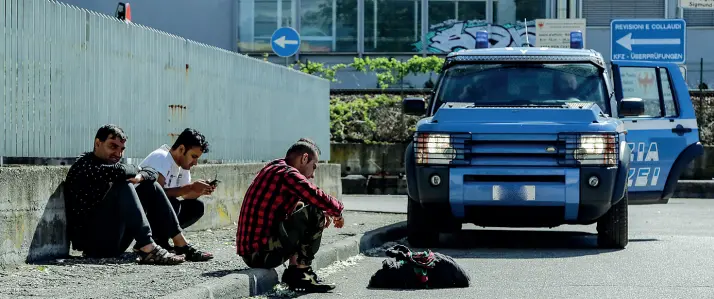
(164, 163)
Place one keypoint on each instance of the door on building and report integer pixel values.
(665, 138)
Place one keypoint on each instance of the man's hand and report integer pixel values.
(339, 222)
(201, 187)
(209, 190)
(137, 179)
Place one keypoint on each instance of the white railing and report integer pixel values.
(66, 71)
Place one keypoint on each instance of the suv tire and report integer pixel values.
(612, 227)
(421, 232)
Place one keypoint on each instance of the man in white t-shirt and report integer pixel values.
(173, 165)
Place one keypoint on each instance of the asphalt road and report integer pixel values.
(670, 255)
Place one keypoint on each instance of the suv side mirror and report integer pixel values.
(632, 107)
(414, 106)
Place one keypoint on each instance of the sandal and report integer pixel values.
(192, 254)
(159, 256)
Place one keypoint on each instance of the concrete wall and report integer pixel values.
(371, 159)
(33, 221)
(368, 159)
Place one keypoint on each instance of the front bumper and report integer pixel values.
(518, 196)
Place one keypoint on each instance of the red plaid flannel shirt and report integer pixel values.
(269, 199)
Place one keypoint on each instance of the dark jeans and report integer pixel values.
(300, 234)
(160, 212)
(188, 211)
(115, 223)
(142, 213)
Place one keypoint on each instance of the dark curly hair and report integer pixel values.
(110, 131)
(190, 138)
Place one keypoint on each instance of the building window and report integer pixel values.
(670, 109)
(509, 29)
(328, 25)
(258, 19)
(392, 25)
(696, 17)
(512, 11)
(453, 25)
(602, 12)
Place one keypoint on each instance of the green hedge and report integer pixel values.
(370, 119)
(379, 118)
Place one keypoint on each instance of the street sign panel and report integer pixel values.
(285, 41)
(697, 4)
(659, 40)
(555, 33)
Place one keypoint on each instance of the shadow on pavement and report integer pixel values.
(221, 273)
(517, 244)
(124, 258)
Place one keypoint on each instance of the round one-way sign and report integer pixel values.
(285, 41)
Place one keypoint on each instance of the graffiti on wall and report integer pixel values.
(454, 35)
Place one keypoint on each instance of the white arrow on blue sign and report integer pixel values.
(658, 40)
(285, 41)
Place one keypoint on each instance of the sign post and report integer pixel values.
(659, 40)
(285, 42)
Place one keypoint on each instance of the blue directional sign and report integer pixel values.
(658, 40)
(285, 41)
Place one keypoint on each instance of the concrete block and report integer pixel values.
(388, 184)
(373, 159)
(368, 159)
(32, 212)
(694, 189)
(32, 217)
(354, 184)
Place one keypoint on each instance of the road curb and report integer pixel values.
(253, 282)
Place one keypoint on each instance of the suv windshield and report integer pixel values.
(523, 84)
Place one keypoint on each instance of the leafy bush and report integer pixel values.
(370, 119)
(387, 70)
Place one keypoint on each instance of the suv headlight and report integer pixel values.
(441, 148)
(592, 149)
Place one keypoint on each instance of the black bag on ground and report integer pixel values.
(406, 269)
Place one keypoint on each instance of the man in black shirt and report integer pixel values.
(104, 213)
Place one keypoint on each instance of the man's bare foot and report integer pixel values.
(155, 254)
(193, 254)
(179, 240)
(148, 248)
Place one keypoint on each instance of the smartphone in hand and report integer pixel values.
(215, 181)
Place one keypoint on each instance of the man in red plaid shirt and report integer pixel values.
(283, 215)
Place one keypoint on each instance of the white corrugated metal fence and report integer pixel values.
(66, 71)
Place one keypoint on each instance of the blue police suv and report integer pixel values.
(542, 137)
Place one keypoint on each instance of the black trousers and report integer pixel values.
(185, 213)
(188, 211)
(122, 218)
(161, 213)
(143, 213)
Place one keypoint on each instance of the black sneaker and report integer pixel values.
(305, 280)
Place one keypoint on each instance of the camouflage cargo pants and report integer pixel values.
(300, 234)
